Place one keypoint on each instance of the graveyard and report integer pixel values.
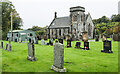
(75, 60)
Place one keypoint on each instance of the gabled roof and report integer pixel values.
(60, 22)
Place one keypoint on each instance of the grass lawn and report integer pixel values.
(79, 60)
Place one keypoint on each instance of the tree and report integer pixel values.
(7, 8)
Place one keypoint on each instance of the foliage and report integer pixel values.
(107, 25)
(7, 8)
(38, 30)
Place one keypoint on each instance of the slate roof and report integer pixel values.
(60, 22)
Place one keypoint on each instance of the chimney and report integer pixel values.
(55, 15)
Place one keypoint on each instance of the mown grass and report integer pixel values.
(75, 60)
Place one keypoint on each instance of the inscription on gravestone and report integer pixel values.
(58, 58)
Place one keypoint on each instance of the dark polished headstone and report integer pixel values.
(86, 46)
(68, 43)
(78, 44)
(31, 52)
(51, 41)
(15, 40)
(1, 45)
(61, 41)
(107, 47)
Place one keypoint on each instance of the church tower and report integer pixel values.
(77, 18)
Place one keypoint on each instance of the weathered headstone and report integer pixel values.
(78, 44)
(25, 40)
(61, 41)
(9, 47)
(6, 46)
(68, 43)
(20, 40)
(86, 46)
(58, 58)
(51, 41)
(31, 52)
(36, 41)
(1, 45)
(42, 42)
(107, 47)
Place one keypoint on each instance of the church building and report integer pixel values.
(73, 25)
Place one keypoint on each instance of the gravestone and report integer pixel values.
(36, 41)
(20, 40)
(6, 46)
(96, 38)
(51, 41)
(9, 47)
(86, 46)
(68, 43)
(33, 40)
(31, 52)
(25, 40)
(15, 40)
(1, 46)
(107, 47)
(7, 38)
(61, 41)
(42, 42)
(58, 58)
(78, 44)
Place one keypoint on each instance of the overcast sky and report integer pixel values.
(41, 12)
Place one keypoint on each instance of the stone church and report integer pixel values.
(73, 25)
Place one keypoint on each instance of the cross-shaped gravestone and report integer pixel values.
(107, 47)
(1, 45)
(6, 46)
(58, 58)
(31, 52)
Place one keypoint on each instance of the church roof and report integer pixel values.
(60, 22)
